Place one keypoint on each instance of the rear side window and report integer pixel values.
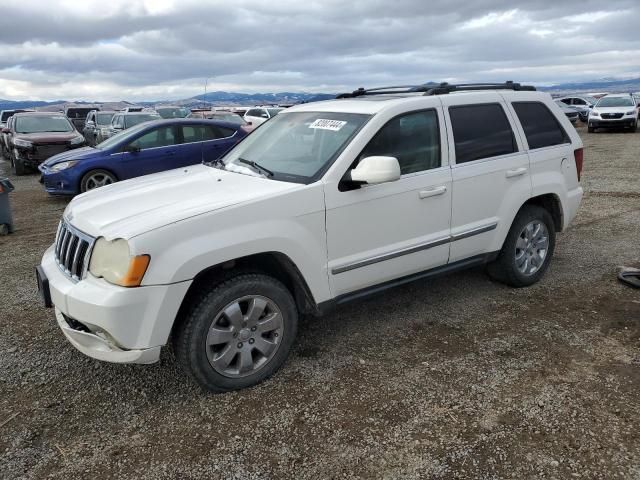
(481, 131)
(540, 125)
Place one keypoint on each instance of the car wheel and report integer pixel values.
(634, 127)
(527, 250)
(96, 179)
(590, 129)
(18, 165)
(238, 333)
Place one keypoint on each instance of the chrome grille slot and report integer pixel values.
(72, 251)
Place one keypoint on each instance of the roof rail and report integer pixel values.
(440, 89)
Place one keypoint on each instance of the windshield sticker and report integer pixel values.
(324, 124)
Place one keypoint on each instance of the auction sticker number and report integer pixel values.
(325, 124)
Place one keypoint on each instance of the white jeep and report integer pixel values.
(325, 203)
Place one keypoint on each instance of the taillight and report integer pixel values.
(579, 156)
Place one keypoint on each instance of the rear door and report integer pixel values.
(190, 150)
(490, 170)
(157, 152)
(217, 141)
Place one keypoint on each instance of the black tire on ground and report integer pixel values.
(504, 268)
(590, 129)
(190, 338)
(88, 184)
(634, 127)
(19, 167)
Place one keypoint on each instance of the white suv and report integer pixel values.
(612, 111)
(326, 203)
(258, 115)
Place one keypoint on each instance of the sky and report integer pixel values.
(112, 50)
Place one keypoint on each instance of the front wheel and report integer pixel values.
(527, 250)
(18, 165)
(96, 179)
(591, 129)
(238, 333)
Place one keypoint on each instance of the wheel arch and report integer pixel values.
(552, 204)
(275, 264)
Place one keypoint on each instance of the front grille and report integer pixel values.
(612, 115)
(45, 151)
(72, 251)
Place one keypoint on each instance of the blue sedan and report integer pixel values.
(149, 147)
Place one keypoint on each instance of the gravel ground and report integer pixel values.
(452, 378)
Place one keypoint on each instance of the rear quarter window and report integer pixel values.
(481, 131)
(540, 125)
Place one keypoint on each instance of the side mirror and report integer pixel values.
(249, 123)
(373, 170)
(5, 130)
(132, 149)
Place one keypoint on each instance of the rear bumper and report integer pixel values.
(572, 203)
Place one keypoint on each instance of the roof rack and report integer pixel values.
(440, 89)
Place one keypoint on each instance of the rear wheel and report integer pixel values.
(238, 333)
(96, 179)
(527, 250)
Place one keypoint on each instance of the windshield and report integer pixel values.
(104, 118)
(120, 137)
(5, 115)
(228, 117)
(37, 124)
(131, 120)
(295, 146)
(616, 102)
(172, 112)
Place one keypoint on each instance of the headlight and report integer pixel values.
(594, 113)
(112, 261)
(632, 112)
(18, 142)
(77, 141)
(57, 167)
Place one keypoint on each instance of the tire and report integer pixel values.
(590, 129)
(634, 128)
(516, 254)
(213, 357)
(95, 179)
(18, 166)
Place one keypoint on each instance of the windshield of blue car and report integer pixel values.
(121, 137)
(295, 146)
(38, 124)
(104, 118)
(173, 112)
(131, 120)
(616, 102)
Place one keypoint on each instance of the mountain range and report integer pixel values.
(244, 99)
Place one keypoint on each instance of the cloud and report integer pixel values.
(151, 49)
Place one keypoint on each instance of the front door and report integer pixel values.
(154, 151)
(378, 233)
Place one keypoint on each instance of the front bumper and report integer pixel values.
(111, 323)
(612, 123)
(64, 182)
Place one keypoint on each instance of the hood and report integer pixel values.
(47, 137)
(132, 207)
(75, 154)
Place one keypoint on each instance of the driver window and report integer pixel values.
(160, 137)
(414, 139)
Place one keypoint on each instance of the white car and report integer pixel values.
(326, 203)
(614, 111)
(258, 115)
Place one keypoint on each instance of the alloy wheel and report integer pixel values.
(532, 247)
(244, 336)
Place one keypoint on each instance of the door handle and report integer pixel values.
(433, 192)
(516, 173)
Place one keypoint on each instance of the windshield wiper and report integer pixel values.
(256, 167)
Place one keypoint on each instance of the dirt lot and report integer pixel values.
(451, 378)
